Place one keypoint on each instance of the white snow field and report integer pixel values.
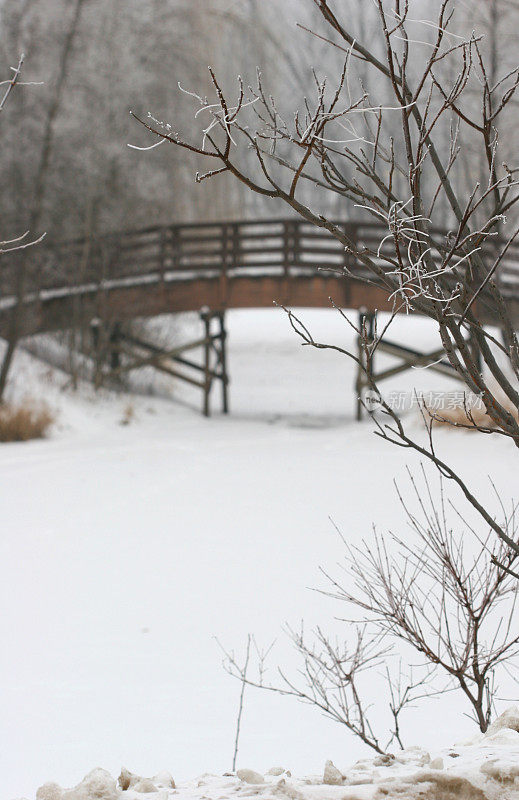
(126, 549)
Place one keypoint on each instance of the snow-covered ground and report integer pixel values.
(483, 768)
(126, 548)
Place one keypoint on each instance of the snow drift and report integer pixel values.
(485, 767)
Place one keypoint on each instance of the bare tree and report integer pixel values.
(329, 678)
(243, 678)
(20, 243)
(450, 597)
(456, 608)
(36, 205)
(398, 180)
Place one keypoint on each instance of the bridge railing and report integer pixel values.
(287, 247)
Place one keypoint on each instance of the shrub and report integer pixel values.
(19, 423)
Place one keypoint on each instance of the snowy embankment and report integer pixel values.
(130, 540)
(484, 768)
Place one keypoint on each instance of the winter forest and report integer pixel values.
(259, 399)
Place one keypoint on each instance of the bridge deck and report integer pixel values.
(165, 269)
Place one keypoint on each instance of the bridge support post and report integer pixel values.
(215, 343)
(105, 345)
(409, 359)
(206, 319)
(115, 356)
(124, 352)
(365, 366)
(223, 362)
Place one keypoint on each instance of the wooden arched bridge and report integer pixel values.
(165, 269)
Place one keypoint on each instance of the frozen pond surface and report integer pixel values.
(126, 549)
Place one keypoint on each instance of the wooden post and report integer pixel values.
(475, 350)
(115, 356)
(359, 382)
(175, 246)
(163, 248)
(97, 345)
(351, 231)
(365, 366)
(236, 245)
(370, 362)
(94, 332)
(288, 245)
(296, 243)
(205, 316)
(223, 363)
(226, 254)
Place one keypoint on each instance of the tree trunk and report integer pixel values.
(39, 189)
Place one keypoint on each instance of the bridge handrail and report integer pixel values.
(288, 246)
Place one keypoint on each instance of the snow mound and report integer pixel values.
(97, 785)
(501, 769)
(127, 779)
(429, 786)
(284, 790)
(485, 768)
(49, 791)
(331, 775)
(249, 776)
(164, 780)
(509, 720)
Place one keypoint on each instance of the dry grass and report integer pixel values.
(27, 420)
(477, 416)
(128, 414)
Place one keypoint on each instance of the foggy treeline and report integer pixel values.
(126, 54)
(67, 167)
